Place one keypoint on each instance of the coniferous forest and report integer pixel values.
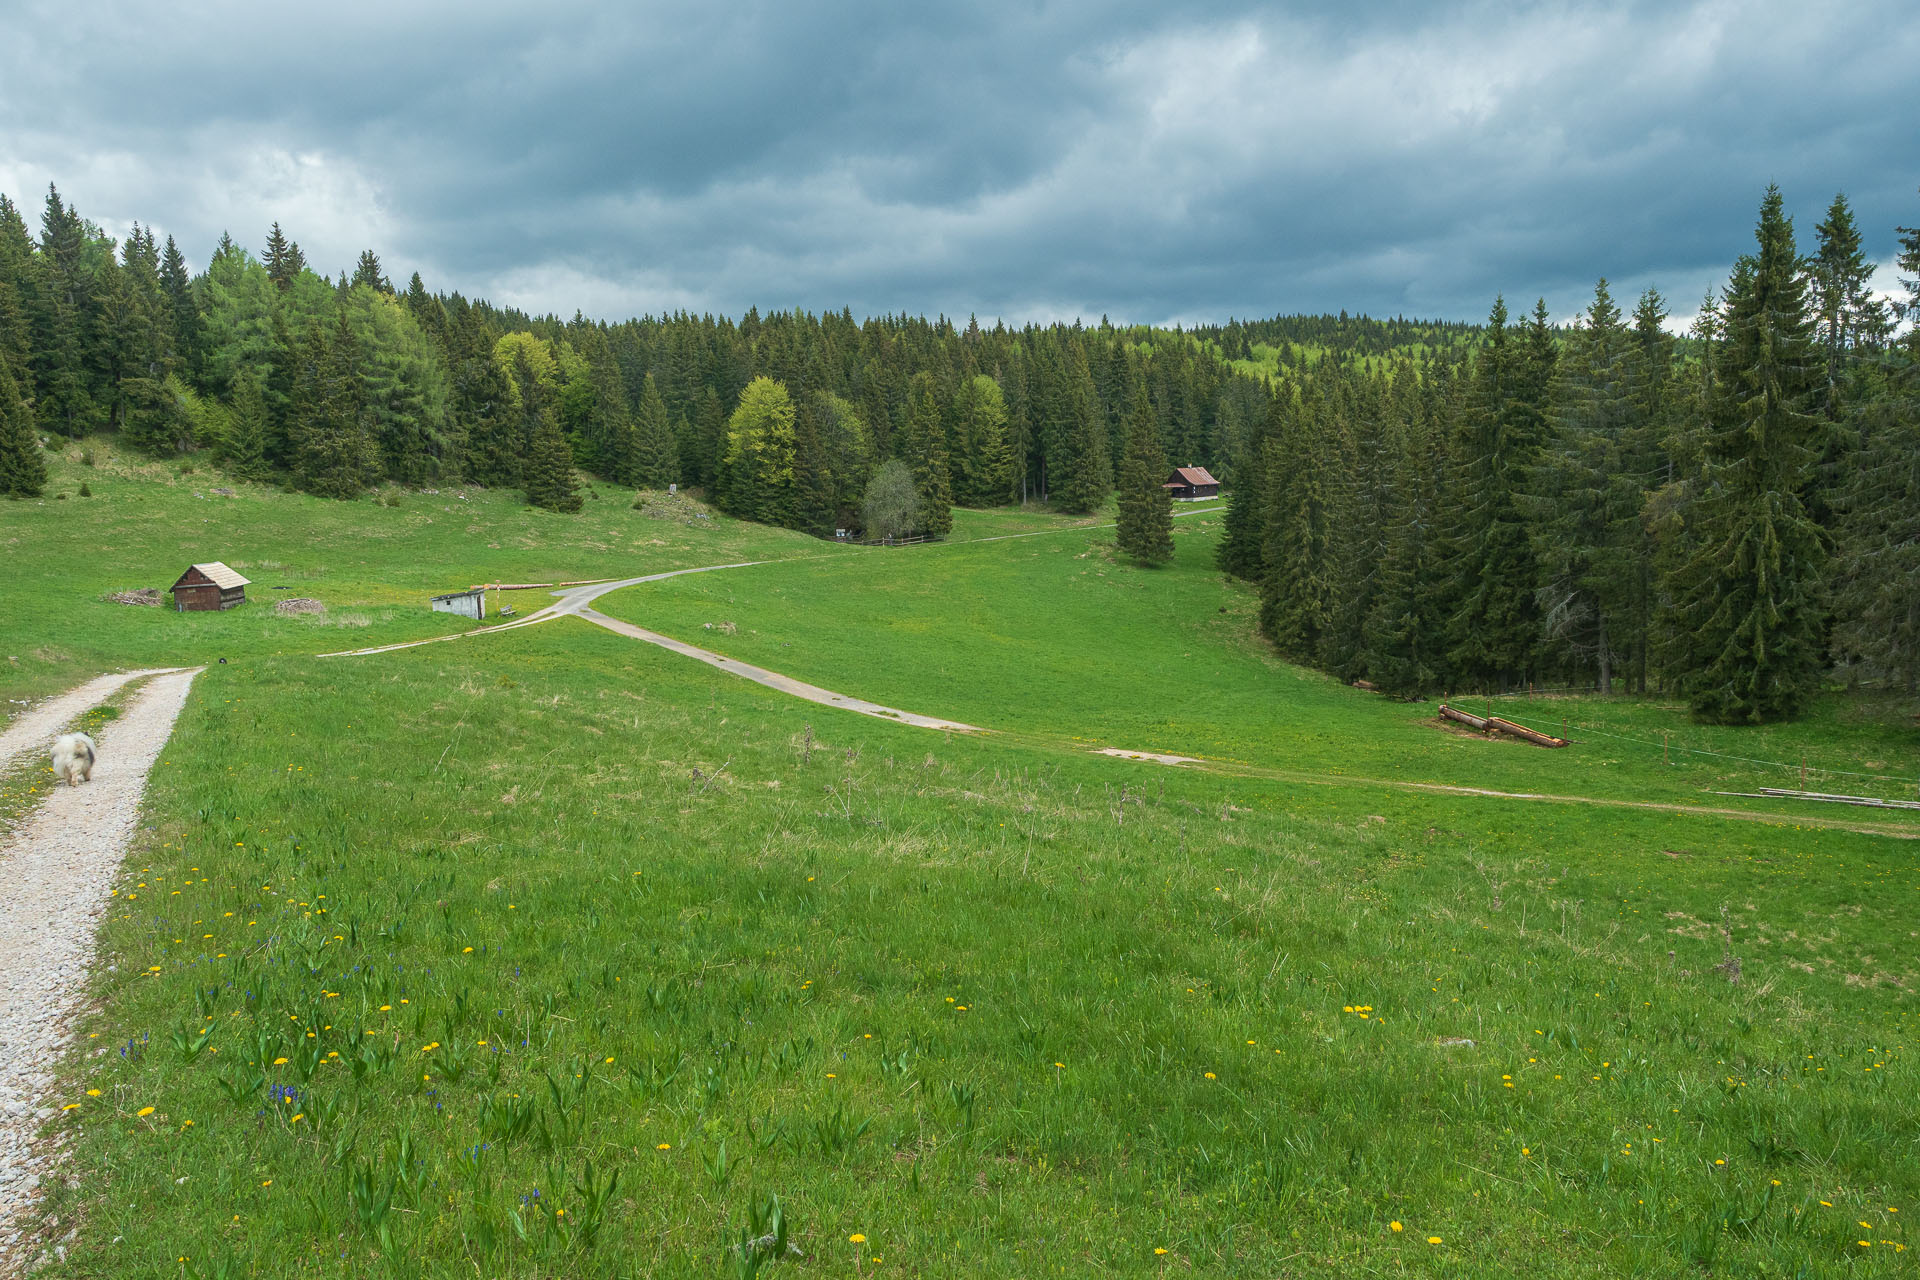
(1732, 516)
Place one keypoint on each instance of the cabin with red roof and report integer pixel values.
(1191, 484)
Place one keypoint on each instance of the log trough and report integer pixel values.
(1494, 724)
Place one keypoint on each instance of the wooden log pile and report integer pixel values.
(1496, 724)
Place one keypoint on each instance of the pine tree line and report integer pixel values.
(1426, 505)
(1735, 521)
(333, 386)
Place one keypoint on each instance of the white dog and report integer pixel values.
(73, 758)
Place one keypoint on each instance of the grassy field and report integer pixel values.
(554, 954)
(373, 566)
(1057, 636)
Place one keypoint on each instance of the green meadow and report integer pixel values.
(554, 954)
(1058, 637)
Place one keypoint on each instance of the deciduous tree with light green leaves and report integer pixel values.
(756, 478)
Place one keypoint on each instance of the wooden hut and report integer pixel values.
(209, 586)
(1190, 484)
(468, 604)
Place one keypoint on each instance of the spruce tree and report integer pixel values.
(23, 472)
(484, 398)
(1080, 470)
(1879, 603)
(986, 463)
(16, 356)
(1145, 529)
(1495, 627)
(1241, 550)
(926, 453)
(1579, 496)
(1405, 628)
(60, 303)
(153, 419)
(184, 325)
(1363, 512)
(1297, 587)
(335, 456)
(1851, 321)
(548, 475)
(283, 260)
(367, 272)
(656, 456)
(1749, 600)
(245, 448)
(813, 499)
(1851, 325)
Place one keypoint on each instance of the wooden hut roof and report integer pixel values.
(1194, 475)
(218, 574)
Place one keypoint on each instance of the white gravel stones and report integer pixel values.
(57, 866)
(35, 728)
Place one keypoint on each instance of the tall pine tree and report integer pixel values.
(1145, 529)
(23, 472)
(1749, 600)
(926, 452)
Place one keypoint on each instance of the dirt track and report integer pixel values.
(57, 866)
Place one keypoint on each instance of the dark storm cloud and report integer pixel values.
(1029, 160)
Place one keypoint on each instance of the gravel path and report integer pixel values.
(35, 728)
(774, 680)
(578, 602)
(56, 867)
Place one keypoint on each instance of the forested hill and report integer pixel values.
(337, 385)
(1426, 505)
(1266, 347)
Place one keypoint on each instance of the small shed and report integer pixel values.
(1190, 484)
(468, 604)
(209, 586)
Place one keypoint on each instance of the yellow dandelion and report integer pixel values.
(1435, 1240)
(93, 1093)
(144, 1111)
(857, 1238)
(1396, 1226)
(1211, 1076)
(665, 1146)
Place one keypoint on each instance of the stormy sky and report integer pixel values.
(1025, 160)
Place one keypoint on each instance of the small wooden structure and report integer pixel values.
(209, 586)
(1494, 724)
(468, 604)
(1191, 484)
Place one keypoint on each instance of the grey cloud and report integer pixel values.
(1017, 159)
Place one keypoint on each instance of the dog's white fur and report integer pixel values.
(73, 755)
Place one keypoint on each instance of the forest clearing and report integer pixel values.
(555, 952)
